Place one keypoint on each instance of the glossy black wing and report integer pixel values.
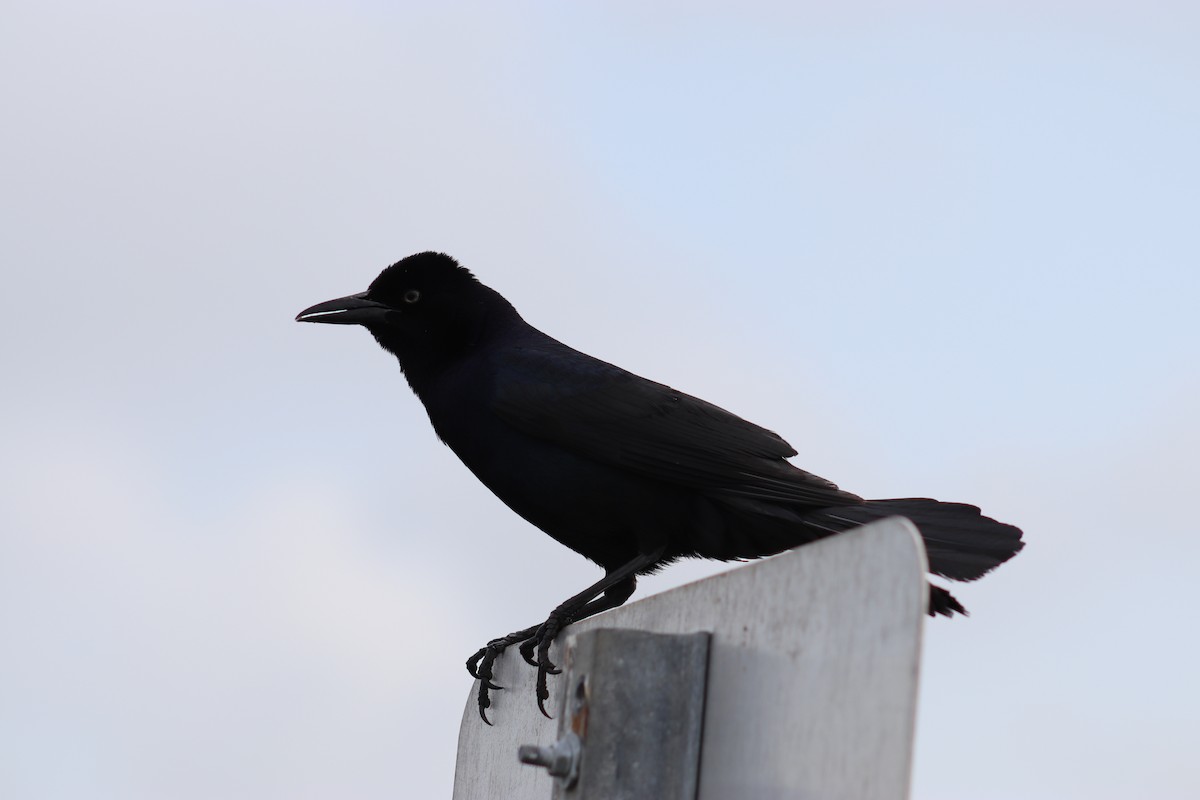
(603, 412)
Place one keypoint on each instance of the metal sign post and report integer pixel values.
(810, 689)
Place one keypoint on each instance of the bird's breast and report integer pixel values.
(600, 511)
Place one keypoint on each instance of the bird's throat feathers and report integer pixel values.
(429, 345)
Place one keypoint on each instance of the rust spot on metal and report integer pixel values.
(579, 707)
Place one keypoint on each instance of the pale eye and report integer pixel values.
(412, 296)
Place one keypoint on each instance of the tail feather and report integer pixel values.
(944, 603)
(960, 542)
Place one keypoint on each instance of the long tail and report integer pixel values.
(944, 603)
(961, 543)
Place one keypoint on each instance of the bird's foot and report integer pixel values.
(541, 641)
(480, 666)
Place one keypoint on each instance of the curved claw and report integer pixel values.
(485, 685)
(534, 647)
(483, 673)
(543, 691)
(544, 651)
(484, 703)
(526, 651)
(545, 665)
(473, 662)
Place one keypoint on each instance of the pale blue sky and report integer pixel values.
(942, 250)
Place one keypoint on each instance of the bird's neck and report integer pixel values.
(429, 354)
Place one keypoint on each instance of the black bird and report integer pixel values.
(627, 472)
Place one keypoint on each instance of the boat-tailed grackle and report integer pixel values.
(627, 472)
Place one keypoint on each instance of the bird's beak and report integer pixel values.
(353, 310)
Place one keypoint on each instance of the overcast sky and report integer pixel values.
(944, 251)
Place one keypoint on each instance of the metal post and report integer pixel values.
(811, 682)
(632, 716)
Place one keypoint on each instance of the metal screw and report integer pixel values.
(560, 759)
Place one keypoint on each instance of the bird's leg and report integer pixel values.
(480, 665)
(488, 653)
(620, 582)
(613, 596)
(609, 592)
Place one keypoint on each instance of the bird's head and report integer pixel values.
(425, 309)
